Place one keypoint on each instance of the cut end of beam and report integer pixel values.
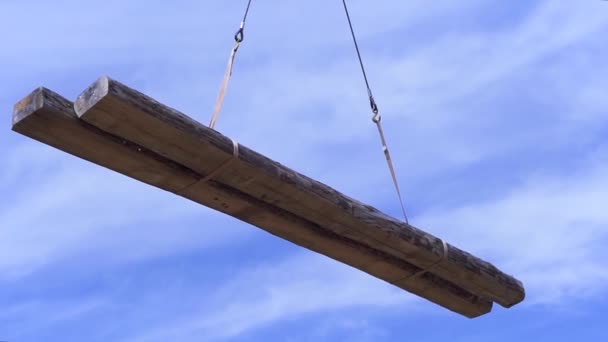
(92, 95)
(27, 106)
(41, 98)
(510, 293)
(518, 296)
(47, 117)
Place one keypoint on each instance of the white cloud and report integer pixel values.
(431, 95)
(65, 207)
(47, 312)
(311, 114)
(547, 231)
(416, 89)
(298, 286)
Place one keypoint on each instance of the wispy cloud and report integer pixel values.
(30, 316)
(548, 230)
(57, 210)
(463, 90)
(302, 285)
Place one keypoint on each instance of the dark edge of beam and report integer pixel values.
(432, 278)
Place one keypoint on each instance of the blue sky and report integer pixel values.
(495, 113)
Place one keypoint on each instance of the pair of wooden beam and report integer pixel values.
(124, 130)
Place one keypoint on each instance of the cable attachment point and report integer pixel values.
(372, 103)
(238, 38)
(376, 117)
(239, 35)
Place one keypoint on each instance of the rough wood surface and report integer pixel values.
(50, 119)
(128, 113)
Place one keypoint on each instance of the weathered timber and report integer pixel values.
(120, 110)
(50, 119)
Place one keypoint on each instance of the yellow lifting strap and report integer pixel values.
(376, 118)
(238, 39)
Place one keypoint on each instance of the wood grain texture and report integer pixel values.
(47, 117)
(127, 113)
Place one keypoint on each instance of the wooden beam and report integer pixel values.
(47, 117)
(125, 112)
